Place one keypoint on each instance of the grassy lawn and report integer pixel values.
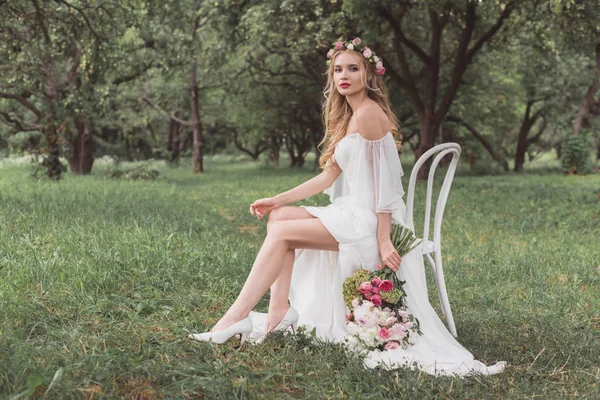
(101, 280)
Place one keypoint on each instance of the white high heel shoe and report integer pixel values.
(289, 319)
(242, 327)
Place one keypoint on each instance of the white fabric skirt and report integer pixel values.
(316, 292)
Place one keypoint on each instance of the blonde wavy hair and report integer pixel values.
(337, 111)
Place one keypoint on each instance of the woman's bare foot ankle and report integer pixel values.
(274, 317)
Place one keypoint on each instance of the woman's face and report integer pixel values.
(347, 74)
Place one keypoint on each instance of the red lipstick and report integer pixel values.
(344, 85)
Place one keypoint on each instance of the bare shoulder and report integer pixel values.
(372, 123)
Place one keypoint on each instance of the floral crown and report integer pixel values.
(355, 44)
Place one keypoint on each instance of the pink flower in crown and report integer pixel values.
(367, 52)
(376, 281)
(365, 287)
(338, 45)
(386, 285)
(392, 345)
(330, 53)
(384, 334)
(376, 300)
(378, 65)
(381, 71)
(356, 41)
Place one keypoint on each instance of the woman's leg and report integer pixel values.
(280, 289)
(282, 237)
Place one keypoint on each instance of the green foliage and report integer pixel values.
(352, 284)
(139, 172)
(576, 155)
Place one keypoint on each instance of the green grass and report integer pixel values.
(101, 280)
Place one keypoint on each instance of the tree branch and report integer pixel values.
(171, 116)
(22, 99)
(482, 139)
(85, 18)
(385, 14)
(508, 9)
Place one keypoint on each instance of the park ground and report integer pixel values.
(102, 279)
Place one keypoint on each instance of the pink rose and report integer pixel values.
(375, 290)
(379, 266)
(367, 52)
(386, 285)
(408, 325)
(390, 321)
(368, 295)
(348, 317)
(384, 334)
(378, 65)
(397, 331)
(381, 71)
(338, 45)
(356, 41)
(376, 300)
(330, 53)
(376, 281)
(403, 314)
(355, 302)
(365, 287)
(392, 345)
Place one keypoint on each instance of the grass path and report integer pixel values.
(100, 281)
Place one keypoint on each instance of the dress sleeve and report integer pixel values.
(377, 164)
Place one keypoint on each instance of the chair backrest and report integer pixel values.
(441, 150)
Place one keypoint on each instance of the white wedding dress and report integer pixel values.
(370, 183)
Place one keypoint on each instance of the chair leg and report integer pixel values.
(443, 294)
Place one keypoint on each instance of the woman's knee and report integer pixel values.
(277, 214)
(285, 214)
(277, 231)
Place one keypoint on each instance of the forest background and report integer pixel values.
(509, 80)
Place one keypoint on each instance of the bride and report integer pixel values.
(309, 251)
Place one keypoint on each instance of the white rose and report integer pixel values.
(350, 46)
(352, 328)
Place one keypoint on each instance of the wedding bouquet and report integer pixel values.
(378, 317)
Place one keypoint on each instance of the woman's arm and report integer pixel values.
(389, 254)
(325, 179)
(311, 187)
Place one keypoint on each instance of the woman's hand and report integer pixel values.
(389, 255)
(262, 207)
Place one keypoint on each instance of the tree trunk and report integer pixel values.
(197, 143)
(174, 145)
(583, 116)
(432, 113)
(426, 142)
(52, 161)
(82, 157)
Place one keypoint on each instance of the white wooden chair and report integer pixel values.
(434, 247)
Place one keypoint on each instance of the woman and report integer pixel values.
(309, 251)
